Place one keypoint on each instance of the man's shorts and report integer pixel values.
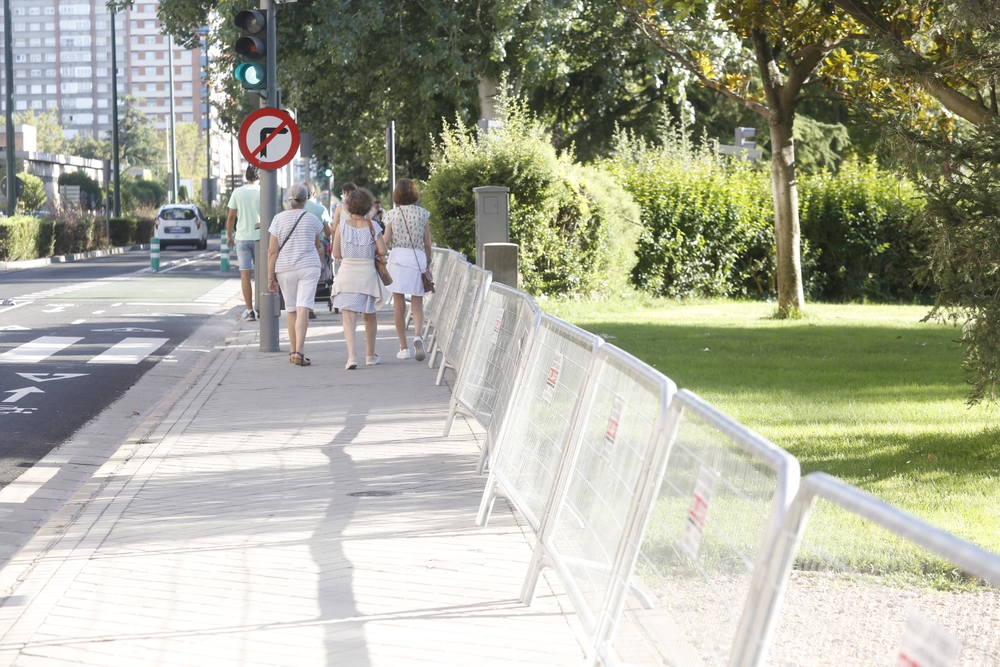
(244, 254)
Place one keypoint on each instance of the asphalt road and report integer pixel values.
(78, 335)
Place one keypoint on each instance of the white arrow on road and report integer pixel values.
(14, 327)
(18, 394)
(40, 377)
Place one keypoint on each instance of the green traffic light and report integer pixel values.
(328, 173)
(251, 75)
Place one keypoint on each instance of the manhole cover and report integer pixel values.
(372, 494)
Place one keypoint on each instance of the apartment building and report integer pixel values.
(62, 61)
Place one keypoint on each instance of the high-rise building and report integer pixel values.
(62, 61)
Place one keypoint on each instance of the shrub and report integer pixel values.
(123, 231)
(568, 220)
(91, 194)
(142, 194)
(26, 237)
(33, 197)
(707, 221)
(143, 229)
(860, 224)
(78, 232)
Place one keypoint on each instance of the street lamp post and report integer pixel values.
(115, 150)
(204, 30)
(9, 81)
(175, 182)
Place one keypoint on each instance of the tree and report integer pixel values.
(137, 140)
(48, 132)
(33, 197)
(765, 56)
(933, 90)
(89, 147)
(190, 152)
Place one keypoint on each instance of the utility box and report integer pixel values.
(492, 217)
(501, 260)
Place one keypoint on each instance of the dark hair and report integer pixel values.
(359, 202)
(252, 174)
(348, 188)
(405, 193)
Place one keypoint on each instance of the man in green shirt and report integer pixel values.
(244, 212)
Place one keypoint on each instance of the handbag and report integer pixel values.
(380, 267)
(424, 276)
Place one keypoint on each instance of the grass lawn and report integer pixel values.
(866, 393)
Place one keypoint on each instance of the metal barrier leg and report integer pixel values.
(534, 572)
(486, 504)
(452, 409)
(444, 364)
(484, 456)
(432, 354)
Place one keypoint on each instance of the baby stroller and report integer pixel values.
(324, 288)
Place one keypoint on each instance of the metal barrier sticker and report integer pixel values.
(695, 525)
(497, 326)
(611, 433)
(553, 379)
(472, 301)
(927, 644)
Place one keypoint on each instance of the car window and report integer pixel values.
(177, 214)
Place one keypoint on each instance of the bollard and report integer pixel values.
(154, 254)
(224, 253)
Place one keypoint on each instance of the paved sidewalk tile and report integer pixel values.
(230, 535)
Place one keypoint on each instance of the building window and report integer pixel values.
(102, 71)
(34, 11)
(19, 11)
(187, 118)
(50, 11)
(35, 41)
(151, 25)
(50, 41)
(50, 104)
(102, 57)
(150, 86)
(50, 89)
(102, 103)
(19, 43)
(150, 71)
(35, 57)
(150, 39)
(133, 40)
(102, 41)
(51, 73)
(19, 27)
(20, 58)
(36, 73)
(134, 25)
(36, 104)
(135, 71)
(50, 57)
(20, 90)
(36, 89)
(135, 88)
(21, 73)
(186, 70)
(50, 27)
(35, 26)
(22, 105)
(186, 86)
(102, 25)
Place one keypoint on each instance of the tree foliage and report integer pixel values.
(48, 132)
(137, 140)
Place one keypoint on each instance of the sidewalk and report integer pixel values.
(229, 537)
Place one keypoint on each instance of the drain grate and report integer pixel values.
(372, 494)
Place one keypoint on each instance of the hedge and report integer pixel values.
(575, 227)
(26, 237)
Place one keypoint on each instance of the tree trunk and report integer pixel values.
(487, 94)
(784, 188)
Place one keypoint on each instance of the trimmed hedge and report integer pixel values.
(25, 237)
(571, 222)
(123, 231)
(709, 226)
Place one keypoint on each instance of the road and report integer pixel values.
(78, 335)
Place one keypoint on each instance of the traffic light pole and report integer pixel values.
(267, 303)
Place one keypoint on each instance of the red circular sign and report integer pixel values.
(269, 138)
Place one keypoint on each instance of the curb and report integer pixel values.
(75, 257)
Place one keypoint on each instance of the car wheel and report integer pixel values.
(163, 245)
(203, 245)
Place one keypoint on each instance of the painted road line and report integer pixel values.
(28, 483)
(38, 349)
(16, 305)
(129, 351)
(97, 312)
(78, 321)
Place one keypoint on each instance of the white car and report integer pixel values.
(181, 224)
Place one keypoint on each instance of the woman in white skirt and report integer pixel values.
(409, 236)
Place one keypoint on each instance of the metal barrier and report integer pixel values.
(713, 519)
(445, 316)
(497, 342)
(466, 309)
(865, 583)
(441, 259)
(529, 445)
(614, 449)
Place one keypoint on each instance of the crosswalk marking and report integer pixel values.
(38, 349)
(129, 351)
(221, 294)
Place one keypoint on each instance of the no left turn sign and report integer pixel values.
(269, 138)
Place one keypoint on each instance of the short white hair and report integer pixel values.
(297, 195)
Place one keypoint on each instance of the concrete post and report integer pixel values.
(501, 259)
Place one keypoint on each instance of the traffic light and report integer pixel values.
(252, 47)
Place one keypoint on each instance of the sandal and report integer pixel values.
(299, 359)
